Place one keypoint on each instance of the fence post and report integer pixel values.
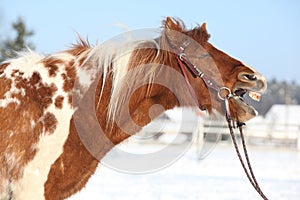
(200, 136)
(298, 139)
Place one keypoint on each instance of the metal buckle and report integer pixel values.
(181, 55)
(225, 90)
(186, 43)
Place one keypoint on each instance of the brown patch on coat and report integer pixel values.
(70, 99)
(59, 102)
(50, 122)
(45, 94)
(35, 78)
(3, 67)
(69, 78)
(5, 86)
(52, 64)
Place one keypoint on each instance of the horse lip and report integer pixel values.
(238, 95)
(251, 110)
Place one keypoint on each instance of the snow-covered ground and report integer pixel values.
(219, 176)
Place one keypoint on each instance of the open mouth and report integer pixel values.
(249, 87)
(245, 110)
(240, 92)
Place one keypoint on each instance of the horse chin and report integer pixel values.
(240, 110)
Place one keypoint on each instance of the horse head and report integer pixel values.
(224, 70)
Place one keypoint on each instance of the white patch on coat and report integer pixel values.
(50, 146)
(4, 188)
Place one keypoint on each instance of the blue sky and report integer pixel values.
(263, 34)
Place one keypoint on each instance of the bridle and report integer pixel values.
(224, 94)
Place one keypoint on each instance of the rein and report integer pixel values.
(183, 62)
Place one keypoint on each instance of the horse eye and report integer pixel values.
(251, 77)
(203, 56)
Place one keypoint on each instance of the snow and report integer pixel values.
(218, 176)
(289, 114)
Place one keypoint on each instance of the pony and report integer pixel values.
(62, 113)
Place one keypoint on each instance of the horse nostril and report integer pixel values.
(261, 84)
(251, 77)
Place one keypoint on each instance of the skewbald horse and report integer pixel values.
(45, 130)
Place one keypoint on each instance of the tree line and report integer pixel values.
(10, 46)
(278, 92)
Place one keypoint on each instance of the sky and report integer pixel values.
(264, 34)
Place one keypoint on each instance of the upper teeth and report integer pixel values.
(254, 95)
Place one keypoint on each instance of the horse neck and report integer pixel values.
(153, 84)
(93, 133)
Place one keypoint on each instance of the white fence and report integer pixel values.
(260, 131)
(265, 132)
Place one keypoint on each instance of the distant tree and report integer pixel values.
(277, 93)
(9, 47)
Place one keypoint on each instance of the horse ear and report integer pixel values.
(172, 24)
(203, 32)
(203, 27)
(173, 30)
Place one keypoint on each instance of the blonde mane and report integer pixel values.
(117, 62)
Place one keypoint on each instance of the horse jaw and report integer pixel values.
(255, 85)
